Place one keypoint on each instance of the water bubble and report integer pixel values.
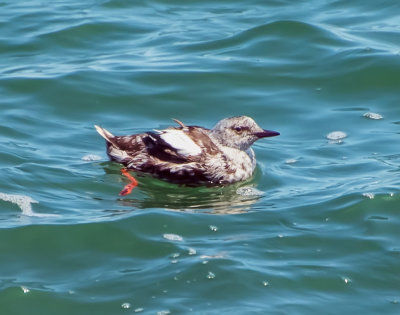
(336, 136)
(192, 251)
(126, 305)
(374, 116)
(210, 275)
(213, 228)
(346, 280)
(265, 283)
(25, 289)
(173, 237)
(175, 255)
(91, 157)
(220, 255)
(369, 195)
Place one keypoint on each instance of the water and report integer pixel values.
(314, 231)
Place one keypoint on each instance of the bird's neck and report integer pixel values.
(218, 139)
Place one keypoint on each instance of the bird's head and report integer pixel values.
(239, 132)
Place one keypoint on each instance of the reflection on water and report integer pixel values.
(154, 193)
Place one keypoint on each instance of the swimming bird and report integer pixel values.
(190, 155)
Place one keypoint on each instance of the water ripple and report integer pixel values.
(316, 225)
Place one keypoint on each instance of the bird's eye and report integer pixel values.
(237, 129)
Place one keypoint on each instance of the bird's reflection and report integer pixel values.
(154, 193)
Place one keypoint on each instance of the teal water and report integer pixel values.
(315, 231)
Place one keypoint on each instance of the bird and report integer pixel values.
(189, 155)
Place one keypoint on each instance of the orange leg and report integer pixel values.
(128, 188)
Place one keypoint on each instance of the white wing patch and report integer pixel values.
(181, 142)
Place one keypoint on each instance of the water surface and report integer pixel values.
(314, 231)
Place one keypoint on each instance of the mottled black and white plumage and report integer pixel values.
(191, 155)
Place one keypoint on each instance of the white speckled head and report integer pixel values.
(239, 132)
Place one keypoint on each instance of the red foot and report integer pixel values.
(128, 188)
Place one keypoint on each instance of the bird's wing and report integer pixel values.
(183, 145)
(172, 145)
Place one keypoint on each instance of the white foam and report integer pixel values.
(126, 305)
(346, 280)
(210, 275)
(25, 289)
(91, 157)
(213, 228)
(369, 195)
(192, 251)
(336, 135)
(24, 202)
(374, 116)
(173, 237)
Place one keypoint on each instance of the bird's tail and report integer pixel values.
(113, 149)
(105, 134)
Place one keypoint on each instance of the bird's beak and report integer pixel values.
(266, 133)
